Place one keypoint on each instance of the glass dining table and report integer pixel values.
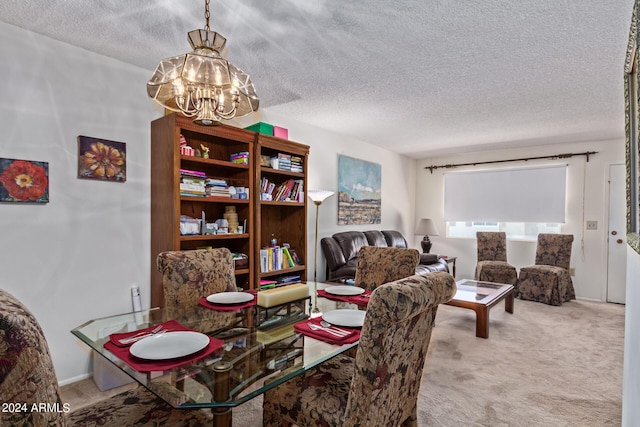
(258, 349)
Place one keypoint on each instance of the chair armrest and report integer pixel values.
(333, 253)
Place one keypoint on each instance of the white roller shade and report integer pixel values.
(506, 195)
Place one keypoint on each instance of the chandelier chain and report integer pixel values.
(207, 15)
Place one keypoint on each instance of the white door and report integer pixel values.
(617, 241)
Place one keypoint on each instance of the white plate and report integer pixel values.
(344, 290)
(230, 297)
(169, 345)
(345, 317)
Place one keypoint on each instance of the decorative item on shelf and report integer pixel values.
(261, 127)
(280, 132)
(317, 196)
(232, 218)
(426, 227)
(205, 151)
(202, 83)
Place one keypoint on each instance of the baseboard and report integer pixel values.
(74, 379)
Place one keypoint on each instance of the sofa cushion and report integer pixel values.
(395, 239)
(376, 238)
(350, 242)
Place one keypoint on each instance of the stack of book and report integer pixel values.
(192, 183)
(284, 161)
(217, 187)
(296, 164)
(240, 158)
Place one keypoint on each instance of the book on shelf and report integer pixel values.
(287, 257)
(240, 158)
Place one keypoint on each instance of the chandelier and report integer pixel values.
(202, 83)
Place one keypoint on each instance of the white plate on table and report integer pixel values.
(230, 297)
(169, 345)
(344, 290)
(345, 317)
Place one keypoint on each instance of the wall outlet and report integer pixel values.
(592, 225)
(572, 271)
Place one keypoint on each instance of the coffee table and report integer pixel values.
(481, 297)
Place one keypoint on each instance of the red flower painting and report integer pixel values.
(24, 181)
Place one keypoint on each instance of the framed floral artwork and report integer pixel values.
(102, 159)
(24, 181)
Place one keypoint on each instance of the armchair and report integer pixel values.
(380, 386)
(492, 263)
(549, 280)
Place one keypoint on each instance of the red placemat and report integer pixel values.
(142, 365)
(303, 328)
(362, 299)
(228, 307)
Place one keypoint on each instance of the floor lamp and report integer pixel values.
(317, 196)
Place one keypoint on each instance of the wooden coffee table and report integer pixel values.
(481, 297)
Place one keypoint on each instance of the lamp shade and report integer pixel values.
(318, 196)
(427, 227)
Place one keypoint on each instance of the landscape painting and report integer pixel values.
(359, 191)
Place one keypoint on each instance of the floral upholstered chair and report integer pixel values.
(189, 275)
(380, 386)
(27, 376)
(549, 280)
(378, 265)
(492, 263)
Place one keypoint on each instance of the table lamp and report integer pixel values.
(427, 227)
(317, 196)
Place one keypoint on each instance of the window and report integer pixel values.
(514, 230)
(519, 201)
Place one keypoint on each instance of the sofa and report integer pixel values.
(341, 252)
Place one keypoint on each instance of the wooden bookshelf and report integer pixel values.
(285, 220)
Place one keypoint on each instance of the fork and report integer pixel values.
(315, 327)
(141, 335)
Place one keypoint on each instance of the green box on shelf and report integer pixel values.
(261, 127)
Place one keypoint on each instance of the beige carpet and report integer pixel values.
(541, 366)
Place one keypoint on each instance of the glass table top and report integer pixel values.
(260, 350)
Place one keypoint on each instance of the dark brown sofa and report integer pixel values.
(341, 252)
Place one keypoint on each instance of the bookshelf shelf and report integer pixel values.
(283, 271)
(200, 237)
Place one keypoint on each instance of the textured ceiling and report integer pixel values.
(420, 78)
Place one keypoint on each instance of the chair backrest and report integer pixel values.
(27, 375)
(377, 266)
(492, 245)
(392, 349)
(554, 249)
(188, 276)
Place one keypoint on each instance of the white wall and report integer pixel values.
(631, 372)
(588, 179)
(76, 257)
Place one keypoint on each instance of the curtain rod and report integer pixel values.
(557, 156)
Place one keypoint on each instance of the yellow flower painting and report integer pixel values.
(101, 159)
